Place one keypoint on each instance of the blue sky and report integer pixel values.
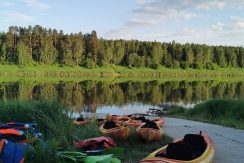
(199, 21)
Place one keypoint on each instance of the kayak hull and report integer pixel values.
(81, 123)
(119, 132)
(134, 123)
(206, 157)
(149, 134)
(159, 121)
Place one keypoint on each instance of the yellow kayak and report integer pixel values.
(193, 148)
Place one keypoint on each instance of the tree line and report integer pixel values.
(89, 95)
(38, 45)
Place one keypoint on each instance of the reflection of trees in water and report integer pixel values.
(88, 95)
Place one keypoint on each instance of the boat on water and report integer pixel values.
(193, 148)
(150, 131)
(114, 130)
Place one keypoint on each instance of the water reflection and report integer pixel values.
(92, 96)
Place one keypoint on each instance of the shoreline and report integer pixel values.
(118, 71)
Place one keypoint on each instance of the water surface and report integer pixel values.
(120, 97)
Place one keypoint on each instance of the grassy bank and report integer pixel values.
(229, 112)
(59, 131)
(112, 70)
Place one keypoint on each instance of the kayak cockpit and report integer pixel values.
(190, 148)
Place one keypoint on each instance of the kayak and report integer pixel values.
(100, 121)
(94, 145)
(159, 121)
(111, 117)
(136, 122)
(193, 148)
(81, 121)
(111, 129)
(122, 120)
(150, 131)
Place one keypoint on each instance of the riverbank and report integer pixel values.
(59, 132)
(226, 112)
(116, 71)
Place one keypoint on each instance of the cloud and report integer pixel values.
(238, 22)
(135, 21)
(207, 5)
(151, 12)
(218, 26)
(185, 32)
(37, 4)
(19, 17)
(121, 33)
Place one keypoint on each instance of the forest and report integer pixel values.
(38, 45)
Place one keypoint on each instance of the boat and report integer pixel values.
(100, 121)
(150, 131)
(121, 120)
(111, 117)
(136, 122)
(114, 130)
(193, 148)
(94, 145)
(159, 121)
(81, 121)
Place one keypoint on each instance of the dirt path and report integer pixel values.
(229, 142)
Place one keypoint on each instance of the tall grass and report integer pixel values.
(227, 112)
(51, 117)
(60, 132)
(53, 121)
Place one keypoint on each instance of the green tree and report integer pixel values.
(24, 55)
(219, 56)
(78, 48)
(66, 51)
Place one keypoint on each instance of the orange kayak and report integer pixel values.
(122, 120)
(136, 122)
(193, 148)
(114, 130)
(150, 132)
(159, 121)
(111, 117)
(100, 121)
(84, 122)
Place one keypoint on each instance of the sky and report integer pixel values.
(212, 22)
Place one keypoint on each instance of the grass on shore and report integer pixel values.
(113, 70)
(59, 131)
(226, 112)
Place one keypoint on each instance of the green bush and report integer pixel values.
(154, 66)
(89, 63)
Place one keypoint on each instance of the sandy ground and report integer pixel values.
(229, 142)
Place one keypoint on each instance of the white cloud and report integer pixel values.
(238, 22)
(185, 32)
(218, 26)
(121, 33)
(207, 5)
(19, 17)
(37, 4)
(135, 21)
